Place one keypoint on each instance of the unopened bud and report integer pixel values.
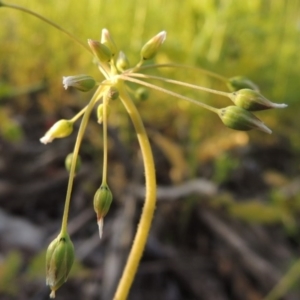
(107, 40)
(113, 93)
(238, 118)
(150, 49)
(68, 162)
(253, 100)
(241, 82)
(100, 112)
(122, 62)
(59, 260)
(101, 51)
(102, 201)
(60, 129)
(82, 82)
(141, 94)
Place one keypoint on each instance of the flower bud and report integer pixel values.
(102, 201)
(60, 129)
(107, 40)
(100, 112)
(101, 51)
(238, 118)
(150, 49)
(82, 83)
(68, 162)
(59, 260)
(253, 100)
(113, 93)
(241, 82)
(122, 62)
(141, 94)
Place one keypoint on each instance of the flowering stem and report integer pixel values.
(81, 131)
(28, 11)
(147, 84)
(149, 206)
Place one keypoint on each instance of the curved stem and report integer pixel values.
(28, 11)
(81, 131)
(150, 201)
(147, 84)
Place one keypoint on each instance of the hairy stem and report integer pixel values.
(150, 201)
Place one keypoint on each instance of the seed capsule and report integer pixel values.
(59, 260)
(252, 100)
(102, 201)
(238, 118)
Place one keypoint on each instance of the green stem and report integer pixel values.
(147, 84)
(28, 11)
(286, 283)
(172, 65)
(80, 134)
(104, 173)
(150, 201)
(193, 86)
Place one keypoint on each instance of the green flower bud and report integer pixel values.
(59, 260)
(68, 162)
(82, 83)
(100, 111)
(238, 118)
(113, 93)
(122, 62)
(150, 49)
(102, 201)
(60, 129)
(101, 51)
(253, 100)
(241, 82)
(107, 40)
(141, 94)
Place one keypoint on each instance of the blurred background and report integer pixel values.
(227, 220)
